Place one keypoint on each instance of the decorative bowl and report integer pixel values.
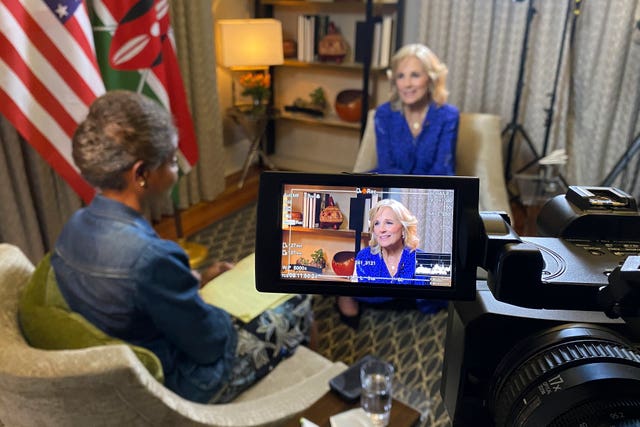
(343, 263)
(348, 105)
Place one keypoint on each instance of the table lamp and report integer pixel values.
(250, 46)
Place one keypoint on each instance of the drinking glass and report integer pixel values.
(376, 377)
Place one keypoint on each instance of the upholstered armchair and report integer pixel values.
(108, 385)
(478, 153)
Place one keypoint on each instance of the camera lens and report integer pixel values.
(570, 375)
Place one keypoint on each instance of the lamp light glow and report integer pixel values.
(246, 44)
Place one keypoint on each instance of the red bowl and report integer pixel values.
(349, 105)
(343, 263)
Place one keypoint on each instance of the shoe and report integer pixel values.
(352, 321)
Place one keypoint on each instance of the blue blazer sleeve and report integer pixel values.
(385, 137)
(445, 156)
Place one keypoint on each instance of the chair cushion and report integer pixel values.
(48, 323)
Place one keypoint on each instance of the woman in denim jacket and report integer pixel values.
(114, 269)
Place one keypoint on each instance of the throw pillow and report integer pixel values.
(48, 323)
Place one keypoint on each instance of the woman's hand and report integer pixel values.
(213, 271)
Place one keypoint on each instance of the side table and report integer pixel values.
(330, 404)
(254, 123)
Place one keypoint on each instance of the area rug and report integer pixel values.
(411, 340)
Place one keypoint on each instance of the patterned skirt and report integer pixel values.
(265, 341)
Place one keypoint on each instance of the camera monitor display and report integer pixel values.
(361, 234)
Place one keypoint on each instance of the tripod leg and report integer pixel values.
(531, 146)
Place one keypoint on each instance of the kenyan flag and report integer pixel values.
(135, 52)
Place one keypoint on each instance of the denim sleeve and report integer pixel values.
(168, 292)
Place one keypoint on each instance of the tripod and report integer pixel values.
(622, 163)
(550, 111)
(514, 127)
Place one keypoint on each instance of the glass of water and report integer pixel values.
(376, 377)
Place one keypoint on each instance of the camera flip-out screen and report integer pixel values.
(361, 234)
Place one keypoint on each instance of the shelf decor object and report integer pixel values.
(306, 139)
(248, 47)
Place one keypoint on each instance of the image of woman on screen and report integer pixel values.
(391, 254)
(389, 258)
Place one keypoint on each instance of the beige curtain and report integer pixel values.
(193, 29)
(596, 113)
(35, 203)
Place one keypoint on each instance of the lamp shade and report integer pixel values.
(249, 43)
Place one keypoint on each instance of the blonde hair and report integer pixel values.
(435, 69)
(407, 219)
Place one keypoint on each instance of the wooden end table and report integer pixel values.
(330, 404)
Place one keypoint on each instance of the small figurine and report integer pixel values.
(332, 47)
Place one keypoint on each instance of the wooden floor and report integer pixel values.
(232, 199)
(204, 214)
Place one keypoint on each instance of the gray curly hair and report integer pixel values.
(122, 127)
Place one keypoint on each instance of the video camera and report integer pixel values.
(539, 342)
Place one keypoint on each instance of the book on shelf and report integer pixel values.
(375, 38)
(376, 42)
(311, 29)
(362, 50)
(386, 41)
(301, 33)
(313, 204)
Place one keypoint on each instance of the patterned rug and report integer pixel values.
(411, 340)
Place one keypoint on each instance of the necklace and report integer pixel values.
(417, 124)
(392, 264)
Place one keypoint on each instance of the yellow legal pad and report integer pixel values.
(235, 291)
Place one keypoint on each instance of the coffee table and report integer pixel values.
(330, 404)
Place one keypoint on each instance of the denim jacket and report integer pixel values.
(114, 269)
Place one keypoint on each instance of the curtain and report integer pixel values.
(35, 202)
(193, 28)
(434, 211)
(597, 105)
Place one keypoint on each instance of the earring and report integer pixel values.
(142, 183)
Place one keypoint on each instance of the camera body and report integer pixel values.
(539, 342)
(550, 355)
(480, 357)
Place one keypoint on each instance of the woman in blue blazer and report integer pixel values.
(416, 131)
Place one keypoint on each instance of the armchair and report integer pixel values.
(108, 385)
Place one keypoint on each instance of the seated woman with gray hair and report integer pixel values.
(113, 269)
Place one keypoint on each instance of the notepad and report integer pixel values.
(235, 291)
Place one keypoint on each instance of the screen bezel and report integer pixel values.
(466, 235)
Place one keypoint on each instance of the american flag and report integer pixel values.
(48, 77)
